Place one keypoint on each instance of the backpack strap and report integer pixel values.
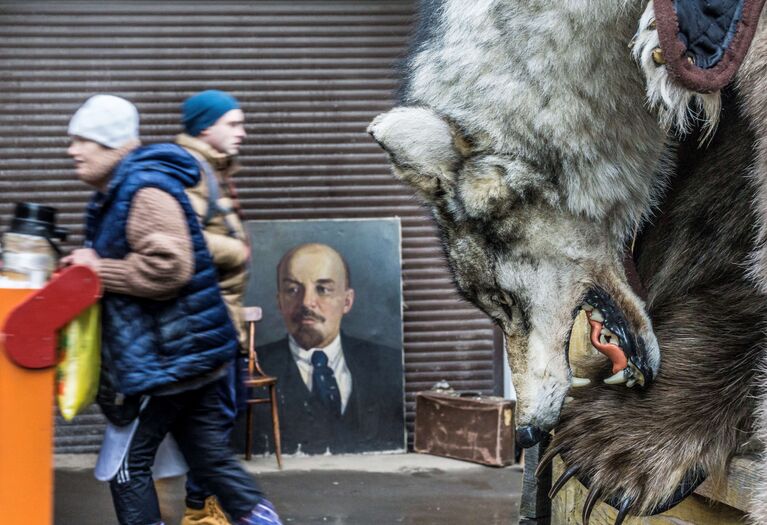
(214, 193)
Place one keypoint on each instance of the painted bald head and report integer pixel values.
(313, 293)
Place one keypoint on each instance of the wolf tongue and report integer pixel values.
(612, 351)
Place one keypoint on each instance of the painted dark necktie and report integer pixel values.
(324, 384)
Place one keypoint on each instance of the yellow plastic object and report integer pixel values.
(26, 433)
(77, 374)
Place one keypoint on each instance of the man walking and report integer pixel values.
(214, 130)
(166, 335)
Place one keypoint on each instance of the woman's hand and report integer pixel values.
(85, 256)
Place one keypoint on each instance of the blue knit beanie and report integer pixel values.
(201, 111)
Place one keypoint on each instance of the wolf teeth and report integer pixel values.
(586, 307)
(617, 378)
(596, 315)
(580, 381)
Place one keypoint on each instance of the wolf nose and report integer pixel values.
(529, 436)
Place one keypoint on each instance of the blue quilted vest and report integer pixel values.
(149, 344)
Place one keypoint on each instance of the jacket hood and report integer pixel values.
(168, 159)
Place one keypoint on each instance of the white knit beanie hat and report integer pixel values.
(109, 120)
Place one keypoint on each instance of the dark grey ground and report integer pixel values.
(476, 495)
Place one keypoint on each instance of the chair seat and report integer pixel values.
(260, 381)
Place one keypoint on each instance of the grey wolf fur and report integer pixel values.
(752, 83)
(526, 131)
(538, 158)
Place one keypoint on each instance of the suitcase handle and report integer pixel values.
(470, 394)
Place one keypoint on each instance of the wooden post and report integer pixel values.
(535, 507)
(718, 508)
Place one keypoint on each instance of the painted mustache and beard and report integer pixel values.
(308, 336)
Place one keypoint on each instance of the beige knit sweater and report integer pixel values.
(161, 260)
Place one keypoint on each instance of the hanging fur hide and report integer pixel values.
(541, 148)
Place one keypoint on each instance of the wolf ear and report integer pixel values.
(415, 137)
(422, 149)
(463, 143)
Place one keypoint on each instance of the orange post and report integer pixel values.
(29, 324)
(26, 433)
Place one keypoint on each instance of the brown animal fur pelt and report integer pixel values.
(708, 316)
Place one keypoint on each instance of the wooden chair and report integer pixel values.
(256, 378)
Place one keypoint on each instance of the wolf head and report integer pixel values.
(518, 253)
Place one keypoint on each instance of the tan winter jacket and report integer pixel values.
(223, 228)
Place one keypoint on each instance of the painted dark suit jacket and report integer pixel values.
(374, 415)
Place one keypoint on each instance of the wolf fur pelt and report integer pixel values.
(538, 158)
(526, 128)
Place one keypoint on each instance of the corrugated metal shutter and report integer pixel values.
(310, 76)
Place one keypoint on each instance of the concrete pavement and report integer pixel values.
(375, 489)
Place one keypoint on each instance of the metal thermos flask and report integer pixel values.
(29, 251)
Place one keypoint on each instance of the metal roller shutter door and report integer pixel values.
(310, 76)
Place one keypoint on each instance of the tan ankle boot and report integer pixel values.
(210, 514)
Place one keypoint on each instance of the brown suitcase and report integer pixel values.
(476, 428)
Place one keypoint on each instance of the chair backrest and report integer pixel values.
(252, 314)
